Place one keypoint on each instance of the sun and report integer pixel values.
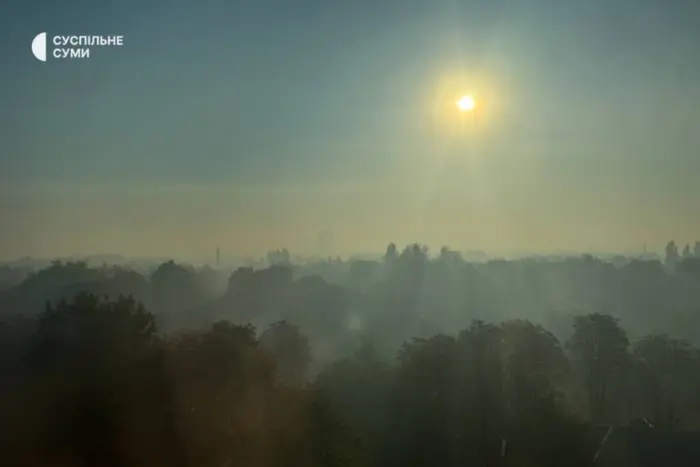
(466, 104)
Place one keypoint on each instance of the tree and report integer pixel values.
(96, 382)
(686, 251)
(368, 416)
(223, 383)
(240, 281)
(664, 374)
(598, 349)
(391, 253)
(427, 416)
(230, 409)
(481, 357)
(362, 274)
(290, 350)
(279, 258)
(449, 256)
(690, 267)
(672, 256)
(175, 287)
(535, 368)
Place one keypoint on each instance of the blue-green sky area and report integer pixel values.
(258, 124)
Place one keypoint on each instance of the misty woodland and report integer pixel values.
(412, 359)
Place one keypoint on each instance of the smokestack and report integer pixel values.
(218, 257)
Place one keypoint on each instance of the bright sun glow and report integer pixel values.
(466, 104)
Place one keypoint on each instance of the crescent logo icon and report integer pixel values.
(39, 47)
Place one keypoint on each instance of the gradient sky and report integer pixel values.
(255, 125)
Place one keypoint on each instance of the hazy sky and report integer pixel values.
(255, 125)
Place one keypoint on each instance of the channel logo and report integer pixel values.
(72, 46)
(39, 47)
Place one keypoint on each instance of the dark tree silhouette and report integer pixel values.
(290, 350)
(598, 350)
